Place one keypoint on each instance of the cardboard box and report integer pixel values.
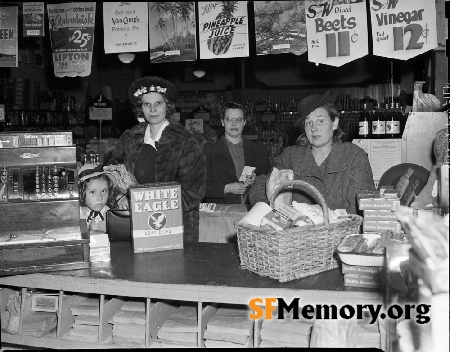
(360, 282)
(156, 217)
(363, 270)
(379, 215)
(379, 204)
(377, 226)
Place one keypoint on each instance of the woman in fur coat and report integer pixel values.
(159, 149)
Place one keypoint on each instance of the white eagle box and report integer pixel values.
(156, 217)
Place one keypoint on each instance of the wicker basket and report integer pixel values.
(297, 252)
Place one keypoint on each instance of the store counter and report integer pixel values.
(202, 272)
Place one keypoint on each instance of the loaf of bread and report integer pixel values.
(362, 246)
(349, 243)
(377, 246)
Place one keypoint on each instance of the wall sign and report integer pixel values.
(336, 30)
(403, 29)
(223, 29)
(72, 37)
(280, 27)
(8, 37)
(33, 19)
(172, 31)
(125, 25)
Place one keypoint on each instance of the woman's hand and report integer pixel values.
(122, 203)
(235, 188)
(250, 179)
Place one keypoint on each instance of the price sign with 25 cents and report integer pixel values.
(403, 29)
(336, 31)
(81, 39)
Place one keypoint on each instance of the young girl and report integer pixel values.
(96, 191)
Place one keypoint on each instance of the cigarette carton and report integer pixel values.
(156, 217)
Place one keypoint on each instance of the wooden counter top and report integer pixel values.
(202, 272)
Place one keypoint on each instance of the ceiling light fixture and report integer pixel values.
(199, 73)
(126, 58)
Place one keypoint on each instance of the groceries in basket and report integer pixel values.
(285, 216)
(293, 252)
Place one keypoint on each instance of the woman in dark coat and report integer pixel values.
(226, 159)
(159, 149)
(322, 158)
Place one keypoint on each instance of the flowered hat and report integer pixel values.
(153, 84)
(310, 103)
(90, 170)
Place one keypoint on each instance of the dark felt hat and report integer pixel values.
(90, 170)
(153, 84)
(310, 103)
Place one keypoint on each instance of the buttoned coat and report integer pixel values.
(221, 170)
(347, 170)
(180, 157)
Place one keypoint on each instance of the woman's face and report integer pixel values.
(234, 122)
(319, 128)
(154, 107)
(96, 194)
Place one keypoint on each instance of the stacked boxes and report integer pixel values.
(362, 276)
(379, 210)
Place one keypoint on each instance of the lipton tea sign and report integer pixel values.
(157, 217)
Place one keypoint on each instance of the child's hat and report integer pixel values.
(90, 170)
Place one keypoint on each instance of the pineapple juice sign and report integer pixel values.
(157, 217)
(336, 31)
(403, 29)
(223, 29)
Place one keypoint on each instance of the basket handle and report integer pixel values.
(310, 189)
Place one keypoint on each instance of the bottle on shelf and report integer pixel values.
(378, 123)
(392, 123)
(365, 123)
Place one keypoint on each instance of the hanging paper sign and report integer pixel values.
(280, 27)
(172, 31)
(403, 29)
(100, 108)
(72, 37)
(33, 19)
(223, 29)
(336, 30)
(125, 26)
(8, 37)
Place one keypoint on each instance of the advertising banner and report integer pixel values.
(172, 31)
(280, 27)
(223, 29)
(8, 37)
(71, 28)
(403, 29)
(125, 27)
(33, 19)
(336, 30)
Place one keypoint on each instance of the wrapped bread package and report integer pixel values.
(276, 178)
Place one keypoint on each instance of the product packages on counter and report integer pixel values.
(156, 216)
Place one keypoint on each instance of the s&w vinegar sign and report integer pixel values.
(156, 217)
(403, 29)
(223, 29)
